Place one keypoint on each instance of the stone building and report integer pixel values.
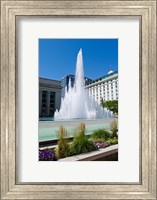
(49, 97)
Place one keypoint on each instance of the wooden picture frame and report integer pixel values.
(10, 188)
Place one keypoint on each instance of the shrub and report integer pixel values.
(79, 130)
(80, 143)
(62, 149)
(114, 128)
(101, 134)
(100, 144)
(112, 141)
(47, 155)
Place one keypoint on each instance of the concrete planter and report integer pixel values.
(105, 154)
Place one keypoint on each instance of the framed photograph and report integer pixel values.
(78, 83)
(73, 106)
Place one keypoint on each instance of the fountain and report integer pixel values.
(77, 104)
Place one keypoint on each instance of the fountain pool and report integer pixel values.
(76, 107)
(48, 129)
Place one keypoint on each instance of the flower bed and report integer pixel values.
(101, 138)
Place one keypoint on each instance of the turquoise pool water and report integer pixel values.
(46, 118)
(48, 129)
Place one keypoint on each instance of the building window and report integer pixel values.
(52, 97)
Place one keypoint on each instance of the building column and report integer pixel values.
(48, 103)
(110, 98)
(114, 90)
(98, 99)
(95, 92)
(102, 92)
(106, 90)
(40, 101)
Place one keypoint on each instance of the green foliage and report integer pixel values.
(96, 140)
(114, 128)
(100, 134)
(111, 105)
(62, 149)
(79, 131)
(112, 141)
(81, 144)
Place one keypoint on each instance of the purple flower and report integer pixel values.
(47, 155)
(99, 145)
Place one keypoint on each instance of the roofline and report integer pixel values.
(74, 76)
(49, 79)
(114, 72)
(105, 76)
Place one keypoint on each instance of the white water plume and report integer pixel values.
(77, 104)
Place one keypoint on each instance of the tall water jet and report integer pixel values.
(77, 104)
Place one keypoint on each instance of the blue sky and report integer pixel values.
(57, 57)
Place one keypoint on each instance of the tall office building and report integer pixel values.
(49, 97)
(104, 88)
(65, 82)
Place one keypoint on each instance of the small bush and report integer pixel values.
(112, 141)
(100, 134)
(62, 149)
(79, 130)
(81, 145)
(114, 128)
(47, 155)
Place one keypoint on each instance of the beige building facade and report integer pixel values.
(49, 97)
(104, 88)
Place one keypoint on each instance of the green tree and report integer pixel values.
(111, 105)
